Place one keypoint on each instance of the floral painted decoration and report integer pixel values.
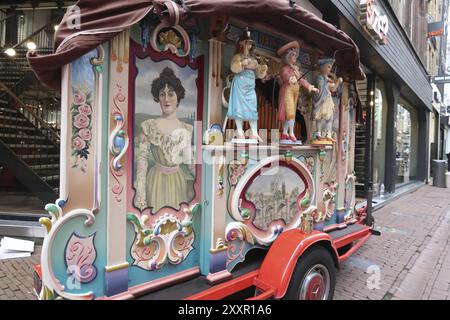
(309, 162)
(81, 110)
(236, 170)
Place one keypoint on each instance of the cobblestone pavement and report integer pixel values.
(16, 277)
(411, 259)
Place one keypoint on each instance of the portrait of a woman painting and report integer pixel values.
(164, 119)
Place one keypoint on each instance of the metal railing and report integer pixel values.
(32, 117)
(44, 40)
(41, 35)
(26, 175)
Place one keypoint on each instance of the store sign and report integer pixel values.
(436, 29)
(374, 20)
(441, 79)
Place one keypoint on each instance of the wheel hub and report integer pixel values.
(315, 285)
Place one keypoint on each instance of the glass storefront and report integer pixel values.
(405, 132)
(406, 145)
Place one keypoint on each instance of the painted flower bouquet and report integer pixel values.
(81, 111)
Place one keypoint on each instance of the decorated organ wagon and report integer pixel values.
(207, 151)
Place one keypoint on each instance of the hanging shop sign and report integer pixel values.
(436, 29)
(441, 79)
(374, 20)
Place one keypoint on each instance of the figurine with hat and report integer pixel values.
(291, 80)
(323, 104)
(242, 105)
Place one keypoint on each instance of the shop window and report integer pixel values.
(406, 145)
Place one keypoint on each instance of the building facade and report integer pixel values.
(396, 99)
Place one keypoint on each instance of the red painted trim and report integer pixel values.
(261, 285)
(354, 248)
(345, 240)
(225, 289)
(330, 228)
(139, 51)
(278, 266)
(265, 295)
(38, 270)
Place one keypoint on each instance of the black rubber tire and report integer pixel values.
(316, 255)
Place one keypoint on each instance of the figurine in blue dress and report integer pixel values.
(243, 103)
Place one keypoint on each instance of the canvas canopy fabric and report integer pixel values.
(101, 20)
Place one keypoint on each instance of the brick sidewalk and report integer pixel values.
(16, 277)
(412, 254)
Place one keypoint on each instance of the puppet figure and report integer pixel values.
(324, 106)
(242, 105)
(291, 79)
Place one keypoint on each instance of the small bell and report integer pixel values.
(244, 158)
(288, 156)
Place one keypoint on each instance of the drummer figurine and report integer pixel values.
(323, 104)
(291, 79)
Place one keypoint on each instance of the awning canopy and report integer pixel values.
(101, 20)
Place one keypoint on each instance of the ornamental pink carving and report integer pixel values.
(79, 98)
(81, 121)
(85, 109)
(78, 143)
(85, 134)
(80, 255)
(81, 112)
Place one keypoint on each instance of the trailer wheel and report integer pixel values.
(314, 277)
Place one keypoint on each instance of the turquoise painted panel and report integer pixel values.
(83, 75)
(207, 189)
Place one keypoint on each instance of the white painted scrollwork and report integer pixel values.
(51, 284)
(350, 197)
(168, 239)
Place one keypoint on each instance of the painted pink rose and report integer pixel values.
(81, 121)
(78, 143)
(85, 109)
(79, 98)
(85, 134)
